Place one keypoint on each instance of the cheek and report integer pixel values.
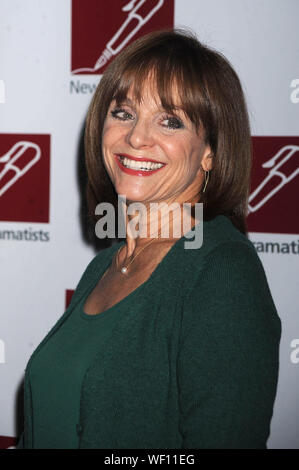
(174, 148)
(182, 154)
(108, 140)
(112, 131)
(107, 135)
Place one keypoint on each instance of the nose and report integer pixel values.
(140, 134)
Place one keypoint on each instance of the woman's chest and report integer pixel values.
(136, 369)
(114, 287)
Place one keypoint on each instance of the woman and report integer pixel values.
(163, 346)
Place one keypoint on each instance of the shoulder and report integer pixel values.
(94, 267)
(101, 257)
(228, 284)
(234, 265)
(226, 271)
(220, 232)
(223, 247)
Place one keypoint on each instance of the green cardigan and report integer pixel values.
(192, 361)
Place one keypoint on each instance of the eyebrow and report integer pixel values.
(128, 101)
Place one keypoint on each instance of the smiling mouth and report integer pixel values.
(137, 166)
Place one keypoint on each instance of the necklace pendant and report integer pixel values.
(123, 270)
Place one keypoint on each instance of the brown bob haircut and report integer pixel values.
(211, 96)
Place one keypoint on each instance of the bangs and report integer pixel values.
(164, 75)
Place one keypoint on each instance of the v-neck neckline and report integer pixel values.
(123, 302)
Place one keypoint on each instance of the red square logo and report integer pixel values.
(274, 185)
(101, 29)
(24, 177)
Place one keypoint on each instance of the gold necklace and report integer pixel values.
(124, 269)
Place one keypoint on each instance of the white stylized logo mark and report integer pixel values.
(283, 176)
(134, 21)
(16, 161)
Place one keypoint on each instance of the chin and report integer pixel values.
(131, 196)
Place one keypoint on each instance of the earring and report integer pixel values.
(206, 180)
(207, 174)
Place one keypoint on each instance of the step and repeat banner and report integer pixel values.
(52, 55)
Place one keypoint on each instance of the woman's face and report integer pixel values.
(151, 156)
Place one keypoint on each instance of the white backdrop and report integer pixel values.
(259, 37)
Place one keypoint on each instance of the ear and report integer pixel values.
(207, 159)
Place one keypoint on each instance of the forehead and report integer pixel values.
(149, 98)
(148, 92)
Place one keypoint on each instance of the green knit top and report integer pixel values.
(57, 372)
(189, 359)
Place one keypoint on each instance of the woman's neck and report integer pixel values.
(163, 224)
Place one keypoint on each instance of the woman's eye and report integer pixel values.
(173, 122)
(122, 114)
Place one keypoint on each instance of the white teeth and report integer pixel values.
(135, 165)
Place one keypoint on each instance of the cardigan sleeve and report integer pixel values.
(229, 353)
